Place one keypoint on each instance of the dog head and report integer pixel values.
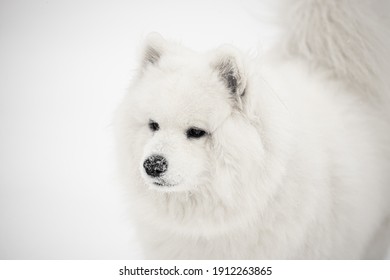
(178, 102)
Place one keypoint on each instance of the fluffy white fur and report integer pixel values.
(296, 160)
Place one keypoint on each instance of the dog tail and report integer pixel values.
(344, 37)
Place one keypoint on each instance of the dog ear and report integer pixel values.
(153, 49)
(230, 69)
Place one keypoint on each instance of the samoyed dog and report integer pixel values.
(282, 156)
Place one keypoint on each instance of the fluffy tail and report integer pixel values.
(345, 37)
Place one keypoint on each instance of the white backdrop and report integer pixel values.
(64, 66)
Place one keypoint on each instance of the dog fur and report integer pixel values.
(295, 160)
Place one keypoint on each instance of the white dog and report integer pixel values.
(285, 156)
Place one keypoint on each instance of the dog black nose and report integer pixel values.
(155, 165)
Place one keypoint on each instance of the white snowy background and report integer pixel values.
(64, 67)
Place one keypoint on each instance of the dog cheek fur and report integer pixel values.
(236, 156)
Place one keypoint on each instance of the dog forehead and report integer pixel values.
(183, 90)
(192, 109)
(195, 96)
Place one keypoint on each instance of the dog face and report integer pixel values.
(178, 102)
(180, 117)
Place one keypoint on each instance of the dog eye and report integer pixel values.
(153, 126)
(195, 133)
